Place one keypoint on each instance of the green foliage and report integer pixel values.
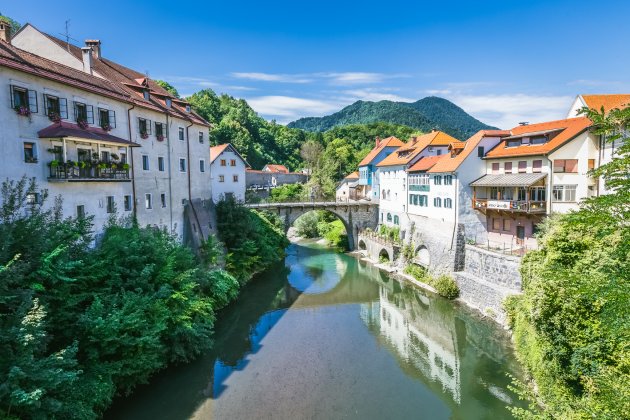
(572, 325)
(444, 285)
(335, 234)
(81, 323)
(424, 115)
(254, 240)
(409, 251)
(288, 192)
(15, 26)
(390, 233)
(168, 87)
(307, 225)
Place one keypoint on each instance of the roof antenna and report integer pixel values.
(67, 33)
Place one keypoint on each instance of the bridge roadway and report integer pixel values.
(356, 215)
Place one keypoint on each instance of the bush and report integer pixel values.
(446, 286)
(306, 226)
(287, 192)
(336, 235)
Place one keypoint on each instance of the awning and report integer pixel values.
(507, 180)
(74, 132)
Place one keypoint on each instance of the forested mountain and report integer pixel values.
(424, 115)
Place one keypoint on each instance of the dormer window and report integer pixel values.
(538, 140)
(168, 102)
(187, 108)
(146, 94)
(513, 143)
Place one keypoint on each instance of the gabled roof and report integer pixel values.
(216, 151)
(66, 129)
(387, 142)
(405, 154)
(607, 101)
(353, 175)
(425, 163)
(451, 163)
(276, 168)
(569, 129)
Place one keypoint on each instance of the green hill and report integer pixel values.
(424, 115)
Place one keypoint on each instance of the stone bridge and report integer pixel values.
(355, 215)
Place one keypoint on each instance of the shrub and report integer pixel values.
(307, 225)
(446, 286)
(337, 236)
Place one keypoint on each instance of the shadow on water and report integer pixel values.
(398, 352)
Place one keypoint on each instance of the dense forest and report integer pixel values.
(423, 115)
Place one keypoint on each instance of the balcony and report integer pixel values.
(419, 188)
(522, 206)
(86, 172)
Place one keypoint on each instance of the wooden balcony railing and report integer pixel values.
(510, 205)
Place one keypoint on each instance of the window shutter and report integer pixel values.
(76, 111)
(63, 108)
(11, 88)
(90, 114)
(112, 118)
(148, 126)
(571, 165)
(32, 101)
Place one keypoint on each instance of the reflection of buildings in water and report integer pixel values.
(420, 337)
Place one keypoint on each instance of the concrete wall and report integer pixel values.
(267, 178)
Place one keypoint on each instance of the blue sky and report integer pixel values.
(502, 61)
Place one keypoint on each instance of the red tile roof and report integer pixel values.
(215, 152)
(387, 142)
(405, 154)
(276, 168)
(570, 128)
(608, 102)
(66, 129)
(353, 175)
(451, 163)
(425, 163)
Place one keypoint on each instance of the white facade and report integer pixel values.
(228, 175)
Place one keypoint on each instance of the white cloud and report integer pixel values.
(288, 108)
(374, 95)
(506, 111)
(273, 77)
(358, 78)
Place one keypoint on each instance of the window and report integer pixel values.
(104, 156)
(438, 152)
(83, 113)
(496, 223)
(148, 201)
(127, 203)
(187, 108)
(58, 153)
(181, 133)
(111, 205)
(56, 107)
(33, 198)
(163, 200)
(202, 165)
(448, 203)
(146, 94)
(29, 153)
(437, 202)
(565, 165)
(168, 102)
(232, 162)
(513, 143)
(223, 162)
(564, 193)
(418, 179)
(389, 217)
(537, 166)
(591, 164)
(423, 201)
(144, 127)
(80, 211)
(495, 168)
(507, 225)
(522, 166)
(221, 178)
(123, 157)
(521, 194)
(23, 100)
(396, 220)
(201, 137)
(145, 162)
(507, 167)
(480, 151)
(160, 130)
(538, 194)
(235, 178)
(437, 180)
(106, 119)
(182, 165)
(538, 140)
(448, 179)
(161, 163)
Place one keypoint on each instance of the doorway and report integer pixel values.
(520, 235)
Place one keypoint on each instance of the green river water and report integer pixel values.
(326, 336)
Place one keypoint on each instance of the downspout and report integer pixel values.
(455, 210)
(133, 174)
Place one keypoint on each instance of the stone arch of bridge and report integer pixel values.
(342, 216)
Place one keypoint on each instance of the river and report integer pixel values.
(326, 336)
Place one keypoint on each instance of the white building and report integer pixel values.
(369, 187)
(538, 170)
(392, 173)
(169, 167)
(228, 173)
(347, 187)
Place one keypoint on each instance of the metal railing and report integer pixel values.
(515, 247)
(66, 172)
(510, 205)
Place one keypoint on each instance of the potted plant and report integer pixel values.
(31, 159)
(83, 165)
(71, 163)
(125, 166)
(83, 123)
(102, 165)
(160, 137)
(54, 117)
(23, 111)
(54, 163)
(106, 127)
(51, 150)
(144, 135)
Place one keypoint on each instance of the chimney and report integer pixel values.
(5, 31)
(378, 141)
(523, 123)
(95, 44)
(87, 59)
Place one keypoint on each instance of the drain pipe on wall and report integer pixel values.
(132, 166)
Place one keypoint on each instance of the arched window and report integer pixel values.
(437, 202)
(389, 195)
(448, 203)
(383, 195)
(396, 220)
(389, 217)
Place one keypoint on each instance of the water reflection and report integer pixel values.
(328, 336)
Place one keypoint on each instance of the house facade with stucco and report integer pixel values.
(228, 169)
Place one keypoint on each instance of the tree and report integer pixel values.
(15, 26)
(169, 88)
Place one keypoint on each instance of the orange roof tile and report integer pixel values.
(415, 146)
(388, 142)
(607, 101)
(451, 163)
(276, 168)
(425, 163)
(353, 175)
(570, 127)
(215, 151)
